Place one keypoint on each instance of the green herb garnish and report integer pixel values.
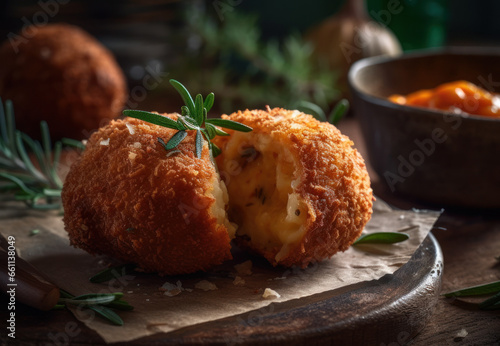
(193, 118)
(382, 238)
(101, 303)
(34, 181)
(113, 273)
(492, 303)
(34, 232)
(338, 112)
(489, 288)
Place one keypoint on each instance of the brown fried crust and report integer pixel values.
(334, 181)
(151, 208)
(59, 73)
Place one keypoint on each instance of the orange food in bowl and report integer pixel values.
(458, 96)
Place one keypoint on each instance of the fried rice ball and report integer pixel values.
(297, 189)
(59, 73)
(129, 198)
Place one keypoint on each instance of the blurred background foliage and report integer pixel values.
(251, 53)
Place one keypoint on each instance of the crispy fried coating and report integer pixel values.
(297, 189)
(59, 73)
(129, 198)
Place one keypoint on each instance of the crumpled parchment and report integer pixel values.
(164, 304)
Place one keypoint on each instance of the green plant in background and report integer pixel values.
(234, 62)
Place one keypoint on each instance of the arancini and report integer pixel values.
(298, 191)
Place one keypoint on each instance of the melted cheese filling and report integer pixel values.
(218, 208)
(261, 180)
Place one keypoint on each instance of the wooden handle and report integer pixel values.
(30, 287)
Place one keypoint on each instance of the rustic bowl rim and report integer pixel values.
(377, 60)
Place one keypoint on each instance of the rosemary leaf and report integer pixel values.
(199, 144)
(185, 111)
(186, 96)
(176, 140)
(492, 287)
(113, 273)
(52, 192)
(73, 143)
(120, 305)
(215, 150)
(115, 296)
(152, 118)
(312, 107)
(25, 158)
(87, 301)
(229, 124)
(19, 183)
(108, 314)
(339, 111)
(220, 132)
(382, 238)
(211, 131)
(209, 102)
(198, 106)
(47, 146)
(492, 303)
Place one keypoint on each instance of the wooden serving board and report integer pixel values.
(388, 311)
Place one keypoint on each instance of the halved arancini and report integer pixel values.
(298, 191)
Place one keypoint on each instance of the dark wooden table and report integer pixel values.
(470, 241)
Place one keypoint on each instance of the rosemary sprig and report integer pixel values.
(382, 238)
(34, 181)
(101, 303)
(193, 118)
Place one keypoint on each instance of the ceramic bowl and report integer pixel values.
(434, 156)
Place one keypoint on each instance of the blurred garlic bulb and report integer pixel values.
(350, 35)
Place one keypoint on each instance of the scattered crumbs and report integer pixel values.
(171, 290)
(137, 145)
(131, 156)
(147, 300)
(401, 217)
(130, 291)
(104, 142)
(205, 285)
(131, 128)
(279, 278)
(34, 232)
(270, 294)
(460, 335)
(244, 269)
(239, 281)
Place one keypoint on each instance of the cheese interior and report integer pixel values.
(261, 180)
(218, 209)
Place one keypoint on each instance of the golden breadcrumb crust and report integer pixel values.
(130, 199)
(59, 73)
(334, 182)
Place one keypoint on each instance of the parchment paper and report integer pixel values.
(154, 312)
